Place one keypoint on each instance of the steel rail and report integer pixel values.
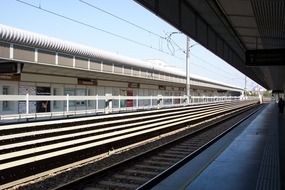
(162, 175)
(115, 116)
(122, 119)
(145, 120)
(170, 121)
(103, 136)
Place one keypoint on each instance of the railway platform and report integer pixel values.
(246, 158)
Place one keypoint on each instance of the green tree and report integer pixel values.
(267, 93)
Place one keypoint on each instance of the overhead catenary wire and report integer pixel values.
(173, 43)
(170, 42)
(203, 60)
(120, 18)
(208, 70)
(161, 39)
(97, 28)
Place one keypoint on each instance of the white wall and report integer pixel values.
(11, 107)
(57, 88)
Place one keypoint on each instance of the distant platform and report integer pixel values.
(246, 158)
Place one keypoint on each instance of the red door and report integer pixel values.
(130, 102)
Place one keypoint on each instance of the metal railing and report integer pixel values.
(99, 104)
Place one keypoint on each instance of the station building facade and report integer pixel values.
(35, 64)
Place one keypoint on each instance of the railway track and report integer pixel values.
(148, 168)
(31, 148)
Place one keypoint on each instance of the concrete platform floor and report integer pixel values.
(246, 158)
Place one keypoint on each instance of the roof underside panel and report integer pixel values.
(270, 19)
(229, 28)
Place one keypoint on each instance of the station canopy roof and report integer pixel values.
(248, 34)
(49, 44)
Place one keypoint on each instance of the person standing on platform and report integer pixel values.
(281, 105)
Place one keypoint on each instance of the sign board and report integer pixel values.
(161, 87)
(133, 85)
(12, 77)
(92, 82)
(265, 57)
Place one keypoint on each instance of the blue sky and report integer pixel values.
(148, 45)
